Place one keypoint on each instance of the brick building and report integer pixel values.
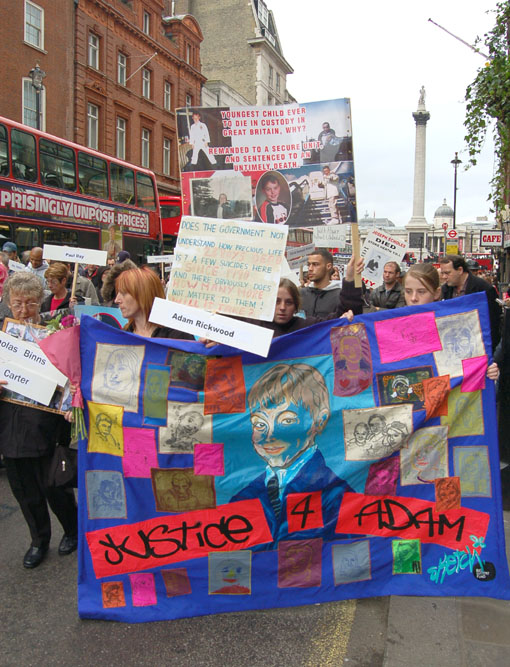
(241, 48)
(115, 72)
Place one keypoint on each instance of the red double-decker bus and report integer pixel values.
(171, 212)
(55, 191)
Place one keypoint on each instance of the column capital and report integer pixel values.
(421, 117)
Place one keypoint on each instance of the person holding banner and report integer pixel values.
(27, 441)
(136, 290)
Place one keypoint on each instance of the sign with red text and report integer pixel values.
(289, 164)
(492, 239)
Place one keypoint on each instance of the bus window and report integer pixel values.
(122, 184)
(170, 211)
(4, 153)
(60, 237)
(57, 165)
(5, 234)
(26, 238)
(24, 165)
(93, 176)
(145, 192)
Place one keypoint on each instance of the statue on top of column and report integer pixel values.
(421, 101)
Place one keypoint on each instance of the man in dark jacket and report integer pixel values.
(327, 297)
(459, 281)
(390, 293)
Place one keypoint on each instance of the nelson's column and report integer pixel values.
(418, 226)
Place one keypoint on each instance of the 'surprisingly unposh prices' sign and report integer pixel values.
(358, 459)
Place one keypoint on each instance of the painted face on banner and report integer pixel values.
(280, 433)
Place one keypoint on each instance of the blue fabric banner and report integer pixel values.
(357, 460)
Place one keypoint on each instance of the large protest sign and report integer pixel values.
(290, 164)
(378, 249)
(227, 267)
(356, 461)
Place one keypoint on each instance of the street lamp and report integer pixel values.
(455, 163)
(37, 75)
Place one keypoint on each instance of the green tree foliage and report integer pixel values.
(488, 105)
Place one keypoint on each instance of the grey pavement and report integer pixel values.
(39, 624)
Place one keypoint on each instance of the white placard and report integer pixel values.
(228, 266)
(332, 236)
(300, 251)
(30, 356)
(160, 259)
(215, 327)
(17, 266)
(27, 383)
(492, 239)
(297, 263)
(378, 249)
(64, 253)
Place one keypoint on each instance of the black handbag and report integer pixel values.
(63, 471)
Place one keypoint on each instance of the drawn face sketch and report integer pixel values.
(361, 432)
(120, 371)
(457, 343)
(156, 388)
(350, 348)
(299, 559)
(289, 406)
(396, 433)
(461, 338)
(104, 425)
(376, 427)
(181, 486)
(448, 492)
(116, 378)
(400, 387)
(425, 457)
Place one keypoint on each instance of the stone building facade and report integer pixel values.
(241, 48)
(115, 73)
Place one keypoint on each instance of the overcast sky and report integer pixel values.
(379, 54)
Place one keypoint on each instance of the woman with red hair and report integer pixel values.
(136, 290)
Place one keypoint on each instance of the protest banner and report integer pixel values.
(26, 382)
(230, 267)
(290, 164)
(110, 315)
(378, 249)
(393, 430)
(29, 355)
(293, 252)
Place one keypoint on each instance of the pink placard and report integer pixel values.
(474, 371)
(208, 459)
(139, 452)
(408, 336)
(143, 589)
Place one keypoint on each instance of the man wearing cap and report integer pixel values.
(459, 281)
(11, 249)
(122, 256)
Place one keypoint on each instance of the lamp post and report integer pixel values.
(455, 163)
(37, 75)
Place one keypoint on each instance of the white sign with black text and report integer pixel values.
(63, 253)
(27, 383)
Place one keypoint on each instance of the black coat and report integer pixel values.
(29, 432)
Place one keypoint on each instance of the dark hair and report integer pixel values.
(457, 262)
(323, 253)
(268, 177)
(292, 290)
(397, 267)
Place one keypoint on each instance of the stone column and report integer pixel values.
(421, 116)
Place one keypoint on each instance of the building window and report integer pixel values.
(188, 54)
(189, 100)
(278, 82)
(146, 83)
(147, 23)
(121, 69)
(34, 25)
(270, 76)
(167, 152)
(121, 138)
(93, 50)
(146, 146)
(270, 100)
(92, 126)
(30, 105)
(167, 96)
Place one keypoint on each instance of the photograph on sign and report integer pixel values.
(111, 240)
(378, 250)
(230, 267)
(290, 165)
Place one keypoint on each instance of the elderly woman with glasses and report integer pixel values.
(27, 441)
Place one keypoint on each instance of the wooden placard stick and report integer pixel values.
(75, 277)
(355, 251)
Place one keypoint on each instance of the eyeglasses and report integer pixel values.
(18, 305)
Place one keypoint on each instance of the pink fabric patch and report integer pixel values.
(143, 589)
(208, 459)
(474, 371)
(405, 337)
(139, 452)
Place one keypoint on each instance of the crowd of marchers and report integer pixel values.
(28, 436)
